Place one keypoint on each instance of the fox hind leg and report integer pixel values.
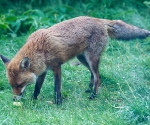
(93, 62)
(82, 59)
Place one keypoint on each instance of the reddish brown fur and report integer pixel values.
(84, 37)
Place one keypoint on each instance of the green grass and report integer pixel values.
(124, 94)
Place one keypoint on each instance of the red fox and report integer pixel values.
(45, 49)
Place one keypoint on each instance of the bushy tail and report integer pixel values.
(120, 30)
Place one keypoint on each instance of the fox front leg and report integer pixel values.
(57, 85)
(38, 85)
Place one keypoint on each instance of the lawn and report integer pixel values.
(124, 94)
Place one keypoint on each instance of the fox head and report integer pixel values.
(19, 75)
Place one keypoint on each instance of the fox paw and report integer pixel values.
(88, 91)
(58, 102)
(93, 96)
(34, 98)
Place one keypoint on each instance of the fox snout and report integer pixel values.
(18, 93)
(17, 97)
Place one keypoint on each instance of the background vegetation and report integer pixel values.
(124, 96)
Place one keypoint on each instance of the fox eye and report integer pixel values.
(19, 86)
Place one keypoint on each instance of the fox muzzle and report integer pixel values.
(17, 97)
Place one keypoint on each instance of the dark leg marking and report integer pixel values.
(38, 85)
(57, 85)
(90, 89)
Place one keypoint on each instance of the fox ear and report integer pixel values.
(5, 60)
(25, 63)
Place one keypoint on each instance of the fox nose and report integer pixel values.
(14, 99)
(17, 97)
